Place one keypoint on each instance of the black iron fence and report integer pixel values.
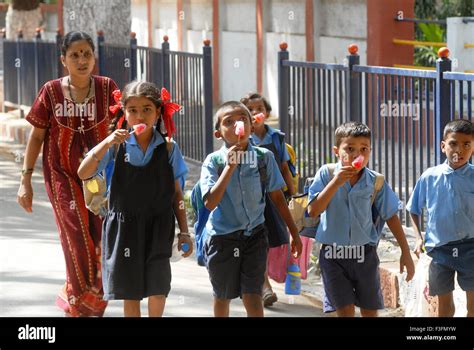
(406, 110)
(188, 77)
(27, 65)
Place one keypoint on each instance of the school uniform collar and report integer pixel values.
(447, 169)
(250, 147)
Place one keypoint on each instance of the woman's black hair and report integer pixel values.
(74, 36)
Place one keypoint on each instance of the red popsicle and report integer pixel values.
(239, 128)
(258, 117)
(357, 163)
(138, 128)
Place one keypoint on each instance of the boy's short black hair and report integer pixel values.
(226, 105)
(462, 126)
(351, 129)
(256, 96)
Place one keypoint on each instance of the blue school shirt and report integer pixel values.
(242, 205)
(268, 139)
(139, 158)
(347, 219)
(448, 196)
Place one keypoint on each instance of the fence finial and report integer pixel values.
(166, 38)
(443, 52)
(283, 46)
(353, 49)
(206, 42)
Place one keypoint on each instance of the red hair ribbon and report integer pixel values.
(117, 94)
(117, 106)
(168, 108)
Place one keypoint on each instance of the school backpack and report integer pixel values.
(202, 213)
(308, 225)
(278, 138)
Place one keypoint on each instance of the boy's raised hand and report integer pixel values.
(234, 155)
(407, 262)
(117, 137)
(344, 174)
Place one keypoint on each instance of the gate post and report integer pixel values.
(165, 69)
(100, 51)
(133, 56)
(353, 86)
(208, 90)
(36, 53)
(283, 87)
(18, 72)
(443, 101)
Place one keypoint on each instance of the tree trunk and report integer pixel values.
(112, 16)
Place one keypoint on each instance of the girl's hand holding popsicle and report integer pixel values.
(117, 137)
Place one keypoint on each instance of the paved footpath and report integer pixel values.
(32, 264)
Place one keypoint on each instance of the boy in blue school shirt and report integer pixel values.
(348, 258)
(447, 192)
(236, 250)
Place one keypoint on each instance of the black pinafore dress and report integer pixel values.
(138, 231)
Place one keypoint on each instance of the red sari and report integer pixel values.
(71, 132)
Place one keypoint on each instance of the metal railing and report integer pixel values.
(27, 65)
(405, 109)
(188, 77)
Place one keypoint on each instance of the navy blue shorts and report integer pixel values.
(448, 259)
(236, 263)
(351, 278)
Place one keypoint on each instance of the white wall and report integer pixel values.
(343, 22)
(460, 33)
(140, 21)
(164, 22)
(285, 16)
(237, 15)
(296, 45)
(334, 50)
(344, 18)
(237, 65)
(337, 23)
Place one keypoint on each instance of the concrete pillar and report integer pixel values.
(460, 34)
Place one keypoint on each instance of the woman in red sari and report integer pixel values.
(69, 117)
